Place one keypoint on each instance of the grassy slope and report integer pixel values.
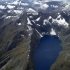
(63, 61)
(14, 47)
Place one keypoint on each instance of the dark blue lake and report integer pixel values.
(46, 52)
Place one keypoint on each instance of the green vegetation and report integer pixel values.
(14, 48)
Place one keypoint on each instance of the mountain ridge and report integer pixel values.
(22, 26)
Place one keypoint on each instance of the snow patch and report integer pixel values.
(29, 22)
(35, 13)
(38, 25)
(50, 17)
(38, 19)
(58, 16)
(33, 21)
(45, 21)
(2, 7)
(30, 10)
(54, 6)
(24, 4)
(13, 18)
(30, 16)
(15, 11)
(8, 17)
(19, 24)
(15, 2)
(62, 22)
(18, 11)
(44, 6)
(52, 32)
(10, 6)
(58, 13)
(35, 2)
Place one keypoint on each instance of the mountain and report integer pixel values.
(23, 23)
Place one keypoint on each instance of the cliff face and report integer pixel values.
(14, 44)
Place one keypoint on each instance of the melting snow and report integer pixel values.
(54, 6)
(2, 7)
(9, 11)
(62, 22)
(58, 13)
(8, 17)
(15, 2)
(21, 8)
(52, 32)
(30, 17)
(50, 17)
(59, 16)
(12, 17)
(44, 22)
(38, 19)
(38, 25)
(24, 4)
(36, 2)
(10, 6)
(19, 24)
(29, 22)
(44, 6)
(33, 21)
(35, 13)
(18, 11)
(15, 11)
(31, 10)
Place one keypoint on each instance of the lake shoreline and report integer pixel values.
(48, 38)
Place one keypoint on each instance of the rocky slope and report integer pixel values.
(14, 44)
(54, 23)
